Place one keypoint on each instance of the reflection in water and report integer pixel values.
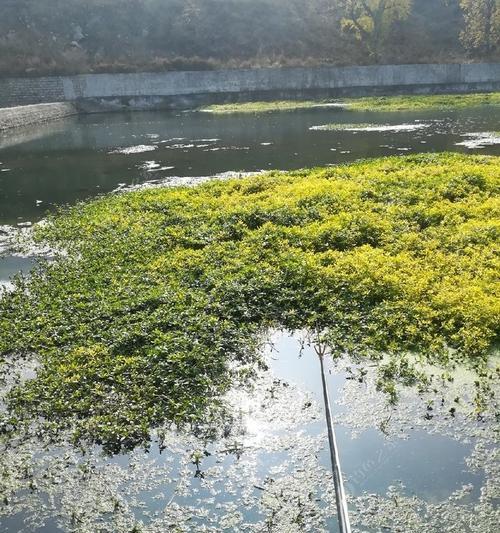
(10, 265)
(268, 468)
(28, 134)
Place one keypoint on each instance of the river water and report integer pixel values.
(408, 468)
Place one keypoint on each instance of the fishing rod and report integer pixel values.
(340, 497)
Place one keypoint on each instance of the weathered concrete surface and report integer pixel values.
(186, 89)
(13, 117)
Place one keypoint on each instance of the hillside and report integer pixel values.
(40, 37)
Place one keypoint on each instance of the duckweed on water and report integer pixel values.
(159, 301)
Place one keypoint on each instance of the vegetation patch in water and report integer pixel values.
(377, 103)
(157, 304)
(266, 107)
(422, 102)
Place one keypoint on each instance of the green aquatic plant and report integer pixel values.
(264, 107)
(422, 102)
(159, 300)
(376, 103)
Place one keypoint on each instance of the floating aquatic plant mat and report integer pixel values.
(159, 301)
(423, 102)
(266, 107)
(376, 103)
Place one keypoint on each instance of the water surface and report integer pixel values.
(69, 160)
(269, 471)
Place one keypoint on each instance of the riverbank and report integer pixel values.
(187, 90)
(16, 117)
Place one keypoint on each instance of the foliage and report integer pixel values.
(378, 103)
(481, 34)
(371, 20)
(262, 107)
(422, 102)
(162, 294)
(71, 36)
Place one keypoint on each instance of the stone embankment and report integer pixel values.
(92, 93)
(13, 117)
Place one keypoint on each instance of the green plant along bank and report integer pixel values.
(159, 300)
(371, 103)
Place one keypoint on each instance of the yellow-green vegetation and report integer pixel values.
(162, 293)
(422, 102)
(263, 107)
(372, 103)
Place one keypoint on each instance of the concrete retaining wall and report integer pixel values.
(13, 117)
(185, 89)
